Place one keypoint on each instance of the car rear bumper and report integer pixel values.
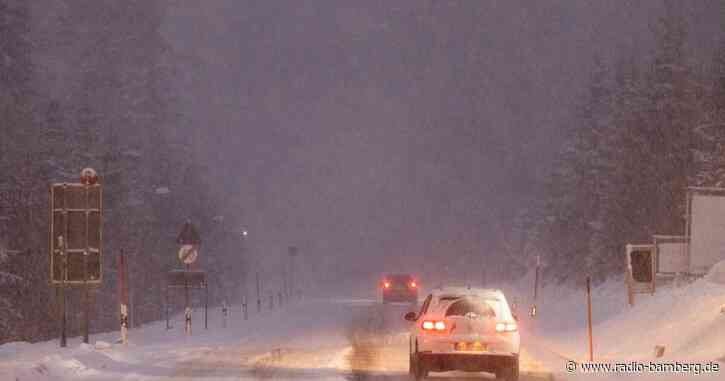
(506, 344)
(444, 362)
(400, 296)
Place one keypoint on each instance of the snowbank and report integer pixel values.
(686, 320)
(717, 273)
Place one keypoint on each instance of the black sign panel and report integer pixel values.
(75, 233)
(189, 235)
(191, 279)
(641, 261)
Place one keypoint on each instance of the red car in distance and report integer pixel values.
(400, 288)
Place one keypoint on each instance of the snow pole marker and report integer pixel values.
(187, 318)
(244, 307)
(123, 295)
(589, 318)
(259, 297)
(536, 285)
(124, 324)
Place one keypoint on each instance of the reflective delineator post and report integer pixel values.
(124, 324)
(187, 318)
(259, 297)
(589, 318)
(123, 296)
(536, 286)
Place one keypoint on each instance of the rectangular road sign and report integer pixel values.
(640, 262)
(76, 232)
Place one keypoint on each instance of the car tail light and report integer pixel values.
(437, 325)
(413, 285)
(506, 327)
(386, 284)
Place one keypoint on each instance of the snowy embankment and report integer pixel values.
(688, 320)
(155, 353)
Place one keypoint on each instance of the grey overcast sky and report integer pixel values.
(370, 131)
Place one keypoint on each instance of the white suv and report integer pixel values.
(464, 329)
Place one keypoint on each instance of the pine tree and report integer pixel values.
(672, 117)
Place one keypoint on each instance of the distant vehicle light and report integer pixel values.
(413, 285)
(386, 284)
(428, 325)
(440, 326)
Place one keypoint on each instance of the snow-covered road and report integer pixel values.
(360, 339)
(332, 340)
(323, 339)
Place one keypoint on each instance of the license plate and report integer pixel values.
(470, 347)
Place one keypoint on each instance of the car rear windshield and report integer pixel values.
(477, 306)
(400, 278)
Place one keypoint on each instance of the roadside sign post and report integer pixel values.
(63, 312)
(189, 280)
(189, 240)
(75, 242)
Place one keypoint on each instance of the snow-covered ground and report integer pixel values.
(337, 338)
(155, 353)
(688, 320)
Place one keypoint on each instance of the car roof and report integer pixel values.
(467, 291)
(399, 276)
